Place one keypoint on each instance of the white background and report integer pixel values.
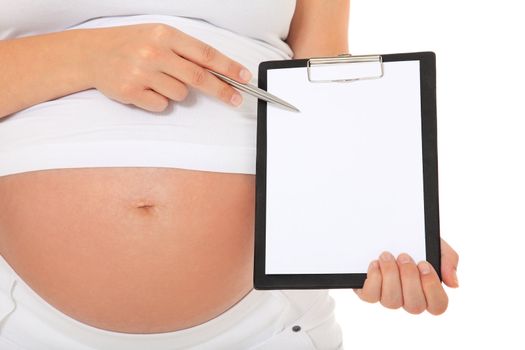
(480, 51)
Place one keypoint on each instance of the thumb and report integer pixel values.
(449, 265)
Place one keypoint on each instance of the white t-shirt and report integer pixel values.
(88, 129)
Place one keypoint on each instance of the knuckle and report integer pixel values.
(198, 77)
(208, 53)
(135, 74)
(160, 31)
(126, 92)
(150, 52)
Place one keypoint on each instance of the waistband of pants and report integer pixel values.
(256, 317)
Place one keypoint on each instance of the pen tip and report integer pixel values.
(292, 108)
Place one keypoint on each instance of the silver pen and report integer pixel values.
(255, 91)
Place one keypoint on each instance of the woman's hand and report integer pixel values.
(148, 64)
(414, 287)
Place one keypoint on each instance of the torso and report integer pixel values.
(140, 250)
(148, 248)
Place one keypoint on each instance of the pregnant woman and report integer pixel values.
(127, 178)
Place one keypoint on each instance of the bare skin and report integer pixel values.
(400, 282)
(131, 249)
(145, 250)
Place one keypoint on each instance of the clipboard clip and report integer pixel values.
(344, 68)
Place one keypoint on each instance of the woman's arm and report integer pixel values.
(143, 64)
(319, 28)
(39, 68)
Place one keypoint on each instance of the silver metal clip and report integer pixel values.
(351, 68)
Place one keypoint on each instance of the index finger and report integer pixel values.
(209, 57)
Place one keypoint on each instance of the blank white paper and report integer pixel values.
(345, 175)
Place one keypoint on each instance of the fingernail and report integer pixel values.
(236, 99)
(245, 74)
(373, 265)
(424, 268)
(386, 256)
(404, 258)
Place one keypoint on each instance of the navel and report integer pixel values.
(145, 205)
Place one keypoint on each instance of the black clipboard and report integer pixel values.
(290, 250)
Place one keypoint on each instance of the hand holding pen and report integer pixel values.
(149, 64)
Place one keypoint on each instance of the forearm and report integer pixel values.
(325, 49)
(320, 45)
(40, 68)
(319, 28)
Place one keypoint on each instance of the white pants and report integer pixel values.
(262, 320)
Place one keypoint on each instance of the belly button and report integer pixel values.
(145, 205)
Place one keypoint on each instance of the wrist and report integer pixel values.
(82, 59)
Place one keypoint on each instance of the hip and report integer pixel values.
(261, 320)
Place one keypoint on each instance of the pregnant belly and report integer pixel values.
(138, 250)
